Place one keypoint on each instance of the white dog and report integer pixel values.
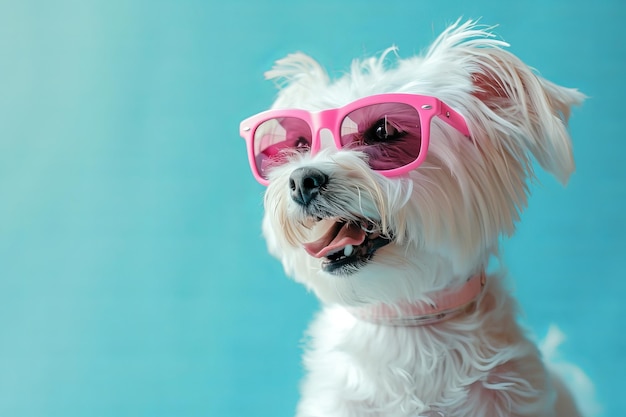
(387, 193)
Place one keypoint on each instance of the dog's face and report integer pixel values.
(355, 235)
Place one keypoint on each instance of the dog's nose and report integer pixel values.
(305, 184)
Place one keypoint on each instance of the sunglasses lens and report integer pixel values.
(389, 133)
(276, 139)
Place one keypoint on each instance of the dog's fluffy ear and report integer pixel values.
(537, 108)
(520, 107)
(297, 76)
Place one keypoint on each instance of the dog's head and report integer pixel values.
(398, 179)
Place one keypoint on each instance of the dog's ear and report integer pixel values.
(534, 110)
(297, 76)
(524, 112)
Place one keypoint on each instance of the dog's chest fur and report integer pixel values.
(481, 363)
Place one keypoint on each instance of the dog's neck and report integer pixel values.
(443, 305)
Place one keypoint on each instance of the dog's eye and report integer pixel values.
(383, 131)
(302, 144)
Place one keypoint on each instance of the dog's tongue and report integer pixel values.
(338, 236)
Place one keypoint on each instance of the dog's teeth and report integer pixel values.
(347, 251)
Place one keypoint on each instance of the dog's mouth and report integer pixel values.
(347, 246)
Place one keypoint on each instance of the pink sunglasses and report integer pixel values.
(393, 130)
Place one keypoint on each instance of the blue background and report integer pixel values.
(133, 277)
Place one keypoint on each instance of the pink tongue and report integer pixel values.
(338, 236)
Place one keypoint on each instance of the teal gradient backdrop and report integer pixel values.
(133, 277)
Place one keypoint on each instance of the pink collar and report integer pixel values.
(446, 304)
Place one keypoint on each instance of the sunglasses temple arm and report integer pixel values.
(454, 119)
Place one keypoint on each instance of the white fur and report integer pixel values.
(446, 219)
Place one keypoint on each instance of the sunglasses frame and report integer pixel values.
(427, 107)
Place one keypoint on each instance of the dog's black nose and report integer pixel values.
(305, 184)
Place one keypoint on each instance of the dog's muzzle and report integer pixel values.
(351, 240)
